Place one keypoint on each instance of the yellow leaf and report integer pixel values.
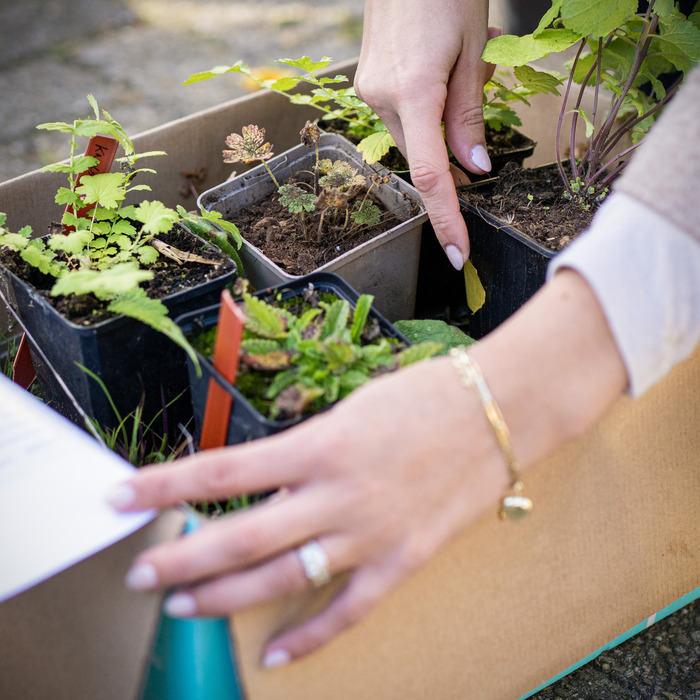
(476, 294)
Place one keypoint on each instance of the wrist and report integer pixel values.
(554, 367)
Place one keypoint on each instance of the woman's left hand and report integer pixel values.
(380, 482)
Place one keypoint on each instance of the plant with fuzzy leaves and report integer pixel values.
(334, 181)
(110, 241)
(622, 54)
(314, 352)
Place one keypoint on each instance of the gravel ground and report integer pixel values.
(133, 56)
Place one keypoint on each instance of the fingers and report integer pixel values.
(432, 177)
(365, 589)
(220, 473)
(233, 543)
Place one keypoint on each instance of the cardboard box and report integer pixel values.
(506, 606)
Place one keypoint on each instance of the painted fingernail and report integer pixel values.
(142, 577)
(121, 496)
(454, 255)
(180, 605)
(276, 657)
(480, 158)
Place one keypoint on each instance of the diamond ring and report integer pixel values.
(314, 560)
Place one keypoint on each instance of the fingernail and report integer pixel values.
(276, 657)
(454, 255)
(121, 496)
(142, 577)
(480, 158)
(180, 605)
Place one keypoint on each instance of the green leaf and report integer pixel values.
(418, 353)
(306, 64)
(238, 67)
(511, 50)
(680, 40)
(73, 243)
(421, 330)
(263, 319)
(65, 195)
(336, 320)
(476, 294)
(105, 189)
(135, 303)
(548, 17)
(537, 81)
(283, 84)
(42, 260)
(589, 124)
(359, 318)
(375, 146)
(338, 355)
(596, 18)
(104, 284)
(147, 255)
(155, 217)
(296, 199)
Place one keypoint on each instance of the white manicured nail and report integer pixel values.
(276, 657)
(121, 496)
(142, 577)
(480, 158)
(180, 605)
(454, 255)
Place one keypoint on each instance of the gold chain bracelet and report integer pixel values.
(514, 505)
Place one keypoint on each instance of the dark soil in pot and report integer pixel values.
(170, 277)
(531, 201)
(293, 243)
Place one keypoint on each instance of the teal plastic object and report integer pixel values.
(192, 659)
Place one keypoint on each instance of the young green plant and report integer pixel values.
(623, 55)
(111, 242)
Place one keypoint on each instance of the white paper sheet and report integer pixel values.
(53, 481)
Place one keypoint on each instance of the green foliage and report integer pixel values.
(299, 356)
(621, 53)
(295, 199)
(111, 240)
(366, 214)
(339, 174)
(432, 330)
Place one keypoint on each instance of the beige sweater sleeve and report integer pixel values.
(664, 173)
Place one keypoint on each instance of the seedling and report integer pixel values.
(302, 354)
(335, 183)
(109, 243)
(620, 52)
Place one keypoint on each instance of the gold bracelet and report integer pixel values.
(515, 505)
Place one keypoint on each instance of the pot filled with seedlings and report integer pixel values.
(319, 207)
(305, 345)
(626, 67)
(99, 290)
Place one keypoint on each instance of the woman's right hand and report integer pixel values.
(421, 65)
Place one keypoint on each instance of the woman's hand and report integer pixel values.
(421, 64)
(385, 478)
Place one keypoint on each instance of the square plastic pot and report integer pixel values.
(386, 266)
(247, 423)
(132, 359)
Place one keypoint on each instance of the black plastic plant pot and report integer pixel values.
(511, 265)
(133, 360)
(246, 422)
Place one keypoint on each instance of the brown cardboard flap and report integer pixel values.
(506, 606)
(82, 634)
